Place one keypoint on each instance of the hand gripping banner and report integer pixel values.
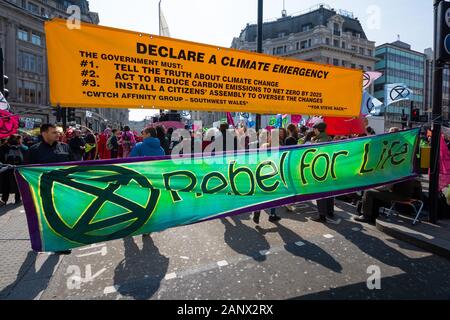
(76, 204)
(107, 67)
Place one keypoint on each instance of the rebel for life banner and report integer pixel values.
(97, 66)
(71, 205)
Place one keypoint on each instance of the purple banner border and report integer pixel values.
(30, 210)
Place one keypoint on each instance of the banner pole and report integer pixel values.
(259, 49)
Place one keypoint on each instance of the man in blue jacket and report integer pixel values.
(150, 147)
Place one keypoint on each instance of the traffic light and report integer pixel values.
(71, 115)
(415, 115)
(57, 112)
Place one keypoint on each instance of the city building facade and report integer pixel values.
(400, 64)
(22, 38)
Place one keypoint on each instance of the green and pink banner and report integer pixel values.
(77, 204)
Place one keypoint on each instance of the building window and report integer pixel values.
(29, 92)
(30, 62)
(22, 34)
(298, 45)
(335, 62)
(327, 41)
(369, 52)
(343, 45)
(306, 27)
(280, 50)
(336, 43)
(361, 51)
(337, 29)
(281, 35)
(353, 66)
(36, 39)
(369, 68)
(354, 48)
(361, 67)
(304, 44)
(309, 42)
(33, 7)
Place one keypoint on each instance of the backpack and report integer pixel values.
(109, 145)
(14, 156)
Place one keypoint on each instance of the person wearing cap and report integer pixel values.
(324, 206)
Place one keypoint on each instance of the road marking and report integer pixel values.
(328, 236)
(22, 211)
(356, 229)
(184, 258)
(222, 263)
(299, 243)
(111, 289)
(92, 246)
(103, 252)
(264, 252)
(170, 276)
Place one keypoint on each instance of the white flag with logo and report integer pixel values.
(186, 115)
(369, 77)
(370, 104)
(396, 92)
(4, 105)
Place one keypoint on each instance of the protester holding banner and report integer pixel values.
(325, 206)
(49, 150)
(11, 153)
(272, 215)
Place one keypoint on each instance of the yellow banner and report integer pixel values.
(97, 66)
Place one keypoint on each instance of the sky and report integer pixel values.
(216, 22)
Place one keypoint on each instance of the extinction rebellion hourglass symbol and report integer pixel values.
(85, 229)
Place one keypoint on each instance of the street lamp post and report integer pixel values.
(436, 118)
(2, 88)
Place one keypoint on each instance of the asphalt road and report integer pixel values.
(231, 258)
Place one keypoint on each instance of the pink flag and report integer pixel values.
(295, 119)
(9, 124)
(444, 164)
(230, 119)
